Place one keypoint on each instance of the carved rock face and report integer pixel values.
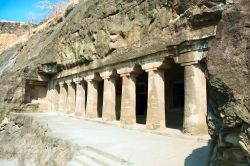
(228, 71)
(117, 26)
(49, 68)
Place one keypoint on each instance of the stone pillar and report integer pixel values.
(92, 97)
(128, 103)
(195, 108)
(80, 98)
(49, 96)
(156, 95)
(156, 100)
(56, 96)
(62, 97)
(71, 98)
(109, 96)
(54, 99)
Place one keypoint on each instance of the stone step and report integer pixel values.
(85, 161)
(76, 163)
(102, 158)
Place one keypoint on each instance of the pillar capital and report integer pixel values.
(92, 77)
(68, 82)
(108, 73)
(150, 66)
(190, 58)
(61, 84)
(130, 69)
(78, 80)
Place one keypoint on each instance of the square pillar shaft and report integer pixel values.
(49, 96)
(92, 99)
(156, 100)
(57, 99)
(128, 104)
(62, 98)
(71, 98)
(54, 99)
(195, 108)
(109, 99)
(80, 98)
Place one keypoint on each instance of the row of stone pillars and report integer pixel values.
(72, 96)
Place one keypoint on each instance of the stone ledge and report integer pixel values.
(142, 128)
(164, 49)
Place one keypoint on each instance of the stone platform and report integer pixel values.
(103, 144)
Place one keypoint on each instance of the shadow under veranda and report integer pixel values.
(199, 156)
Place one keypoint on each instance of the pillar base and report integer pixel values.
(155, 126)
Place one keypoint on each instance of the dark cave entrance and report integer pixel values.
(118, 91)
(174, 97)
(100, 98)
(141, 97)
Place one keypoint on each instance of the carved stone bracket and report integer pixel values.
(190, 57)
(108, 73)
(49, 68)
(129, 69)
(153, 64)
(92, 76)
(61, 84)
(69, 82)
(78, 80)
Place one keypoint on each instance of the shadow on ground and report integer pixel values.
(198, 157)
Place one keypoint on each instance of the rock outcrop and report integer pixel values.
(96, 29)
(17, 28)
(12, 33)
(27, 140)
(228, 66)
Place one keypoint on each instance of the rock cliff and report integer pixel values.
(12, 32)
(229, 86)
(15, 27)
(95, 29)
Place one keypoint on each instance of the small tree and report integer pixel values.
(54, 8)
(32, 17)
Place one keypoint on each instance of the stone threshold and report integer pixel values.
(170, 132)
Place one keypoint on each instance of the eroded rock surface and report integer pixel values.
(96, 29)
(229, 87)
(26, 140)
